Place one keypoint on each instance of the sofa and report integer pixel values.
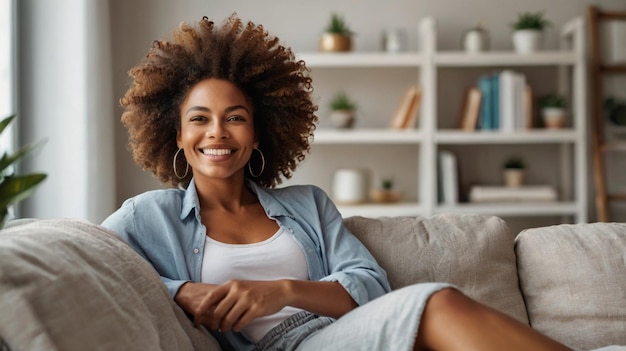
(67, 284)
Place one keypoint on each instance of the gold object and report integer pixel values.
(385, 196)
(335, 42)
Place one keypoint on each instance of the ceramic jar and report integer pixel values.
(476, 40)
(527, 40)
(350, 186)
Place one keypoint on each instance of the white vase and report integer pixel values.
(394, 40)
(476, 40)
(553, 117)
(527, 40)
(350, 186)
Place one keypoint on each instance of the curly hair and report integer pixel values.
(278, 86)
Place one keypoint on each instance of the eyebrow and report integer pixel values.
(206, 109)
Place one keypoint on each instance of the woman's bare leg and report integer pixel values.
(453, 321)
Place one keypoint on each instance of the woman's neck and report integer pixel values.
(224, 194)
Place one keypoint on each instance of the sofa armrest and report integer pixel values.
(573, 278)
(72, 285)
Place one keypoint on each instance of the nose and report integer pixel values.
(217, 130)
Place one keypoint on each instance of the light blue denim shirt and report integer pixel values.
(164, 227)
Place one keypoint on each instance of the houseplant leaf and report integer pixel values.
(17, 188)
(14, 188)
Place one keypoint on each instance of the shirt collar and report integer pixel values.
(190, 201)
(272, 206)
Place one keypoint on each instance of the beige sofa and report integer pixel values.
(71, 285)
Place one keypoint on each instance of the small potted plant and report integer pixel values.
(514, 172)
(553, 110)
(528, 31)
(385, 194)
(342, 110)
(615, 110)
(337, 35)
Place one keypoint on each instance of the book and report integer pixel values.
(507, 96)
(470, 109)
(448, 185)
(495, 102)
(536, 193)
(413, 112)
(488, 114)
(529, 108)
(406, 113)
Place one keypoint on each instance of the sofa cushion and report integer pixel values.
(473, 252)
(573, 278)
(71, 285)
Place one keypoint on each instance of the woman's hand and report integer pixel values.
(234, 304)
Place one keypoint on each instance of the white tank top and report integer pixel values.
(278, 257)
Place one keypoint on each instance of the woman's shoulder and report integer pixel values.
(144, 207)
(156, 197)
(301, 191)
(149, 202)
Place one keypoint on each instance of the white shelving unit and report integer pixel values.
(432, 134)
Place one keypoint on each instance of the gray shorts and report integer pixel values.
(389, 322)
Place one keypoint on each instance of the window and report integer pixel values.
(7, 69)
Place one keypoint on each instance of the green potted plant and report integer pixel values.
(514, 171)
(342, 110)
(615, 110)
(528, 31)
(14, 188)
(337, 36)
(552, 107)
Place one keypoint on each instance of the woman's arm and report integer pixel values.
(324, 298)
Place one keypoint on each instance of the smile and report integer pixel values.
(216, 152)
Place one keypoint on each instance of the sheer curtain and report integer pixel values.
(7, 70)
(65, 98)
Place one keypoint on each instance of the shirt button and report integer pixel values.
(196, 251)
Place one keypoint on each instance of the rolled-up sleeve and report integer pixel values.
(349, 262)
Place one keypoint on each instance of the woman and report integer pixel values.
(222, 113)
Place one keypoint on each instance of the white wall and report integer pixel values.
(298, 23)
(65, 98)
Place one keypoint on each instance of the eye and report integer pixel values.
(236, 118)
(197, 118)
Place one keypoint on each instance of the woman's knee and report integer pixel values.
(450, 300)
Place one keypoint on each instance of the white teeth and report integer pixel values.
(216, 152)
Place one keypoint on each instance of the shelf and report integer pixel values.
(374, 210)
(450, 59)
(613, 68)
(535, 136)
(504, 58)
(361, 59)
(514, 209)
(614, 146)
(369, 136)
(567, 145)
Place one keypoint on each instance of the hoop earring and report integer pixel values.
(174, 166)
(262, 164)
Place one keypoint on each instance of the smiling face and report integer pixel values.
(216, 130)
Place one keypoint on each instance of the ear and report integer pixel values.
(256, 141)
(178, 138)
